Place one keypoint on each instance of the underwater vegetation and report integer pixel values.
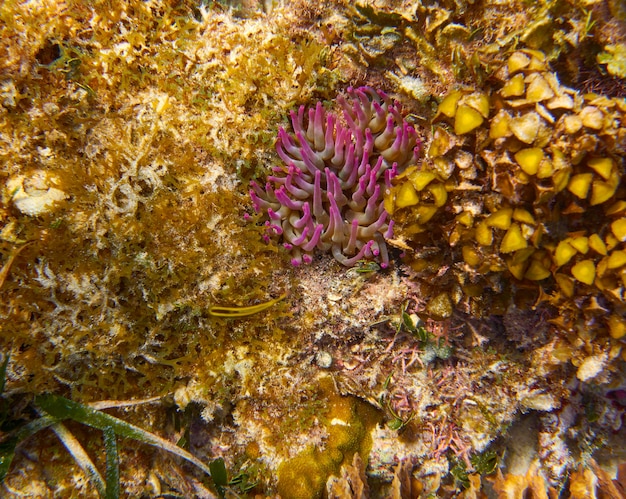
(328, 195)
(527, 183)
(137, 285)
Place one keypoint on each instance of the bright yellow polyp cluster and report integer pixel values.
(523, 180)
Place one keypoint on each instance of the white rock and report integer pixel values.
(34, 194)
(591, 367)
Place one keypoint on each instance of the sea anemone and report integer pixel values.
(328, 194)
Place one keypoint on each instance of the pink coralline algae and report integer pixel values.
(329, 193)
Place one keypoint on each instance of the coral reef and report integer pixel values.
(328, 196)
(528, 184)
(487, 359)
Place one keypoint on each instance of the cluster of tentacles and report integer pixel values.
(329, 193)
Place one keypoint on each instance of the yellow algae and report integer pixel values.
(421, 178)
(618, 228)
(501, 219)
(597, 244)
(563, 253)
(537, 271)
(518, 61)
(602, 166)
(579, 184)
(406, 196)
(529, 159)
(515, 87)
(584, 271)
(466, 119)
(513, 240)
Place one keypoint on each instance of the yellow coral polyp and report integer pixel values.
(425, 213)
(617, 327)
(513, 240)
(448, 105)
(602, 166)
(584, 271)
(471, 256)
(406, 196)
(529, 159)
(580, 243)
(616, 208)
(597, 244)
(465, 218)
(500, 125)
(524, 216)
(483, 234)
(539, 89)
(466, 119)
(579, 185)
(616, 259)
(479, 102)
(546, 169)
(537, 271)
(501, 219)
(618, 228)
(517, 269)
(563, 253)
(566, 284)
(421, 178)
(515, 87)
(440, 195)
(518, 61)
(601, 192)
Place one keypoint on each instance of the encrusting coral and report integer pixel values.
(328, 196)
(524, 183)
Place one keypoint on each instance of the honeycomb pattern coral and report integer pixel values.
(329, 194)
(526, 182)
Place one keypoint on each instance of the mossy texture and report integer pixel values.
(132, 265)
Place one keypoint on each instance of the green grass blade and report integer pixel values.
(80, 456)
(112, 475)
(7, 447)
(63, 408)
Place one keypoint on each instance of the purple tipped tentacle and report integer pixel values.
(298, 193)
(287, 146)
(378, 121)
(372, 204)
(366, 153)
(391, 173)
(347, 171)
(315, 132)
(382, 249)
(318, 207)
(259, 203)
(374, 174)
(389, 232)
(354, 232)
(342, 143)
(315, 238)
(273, 228)
(329, 139)
(301, 222)
(282, 197)
(358, 200)
(351, 262)
(334, 187)
(382, 141)
(297, 120)
(312, 161)
(335, 225)
(373, 228)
